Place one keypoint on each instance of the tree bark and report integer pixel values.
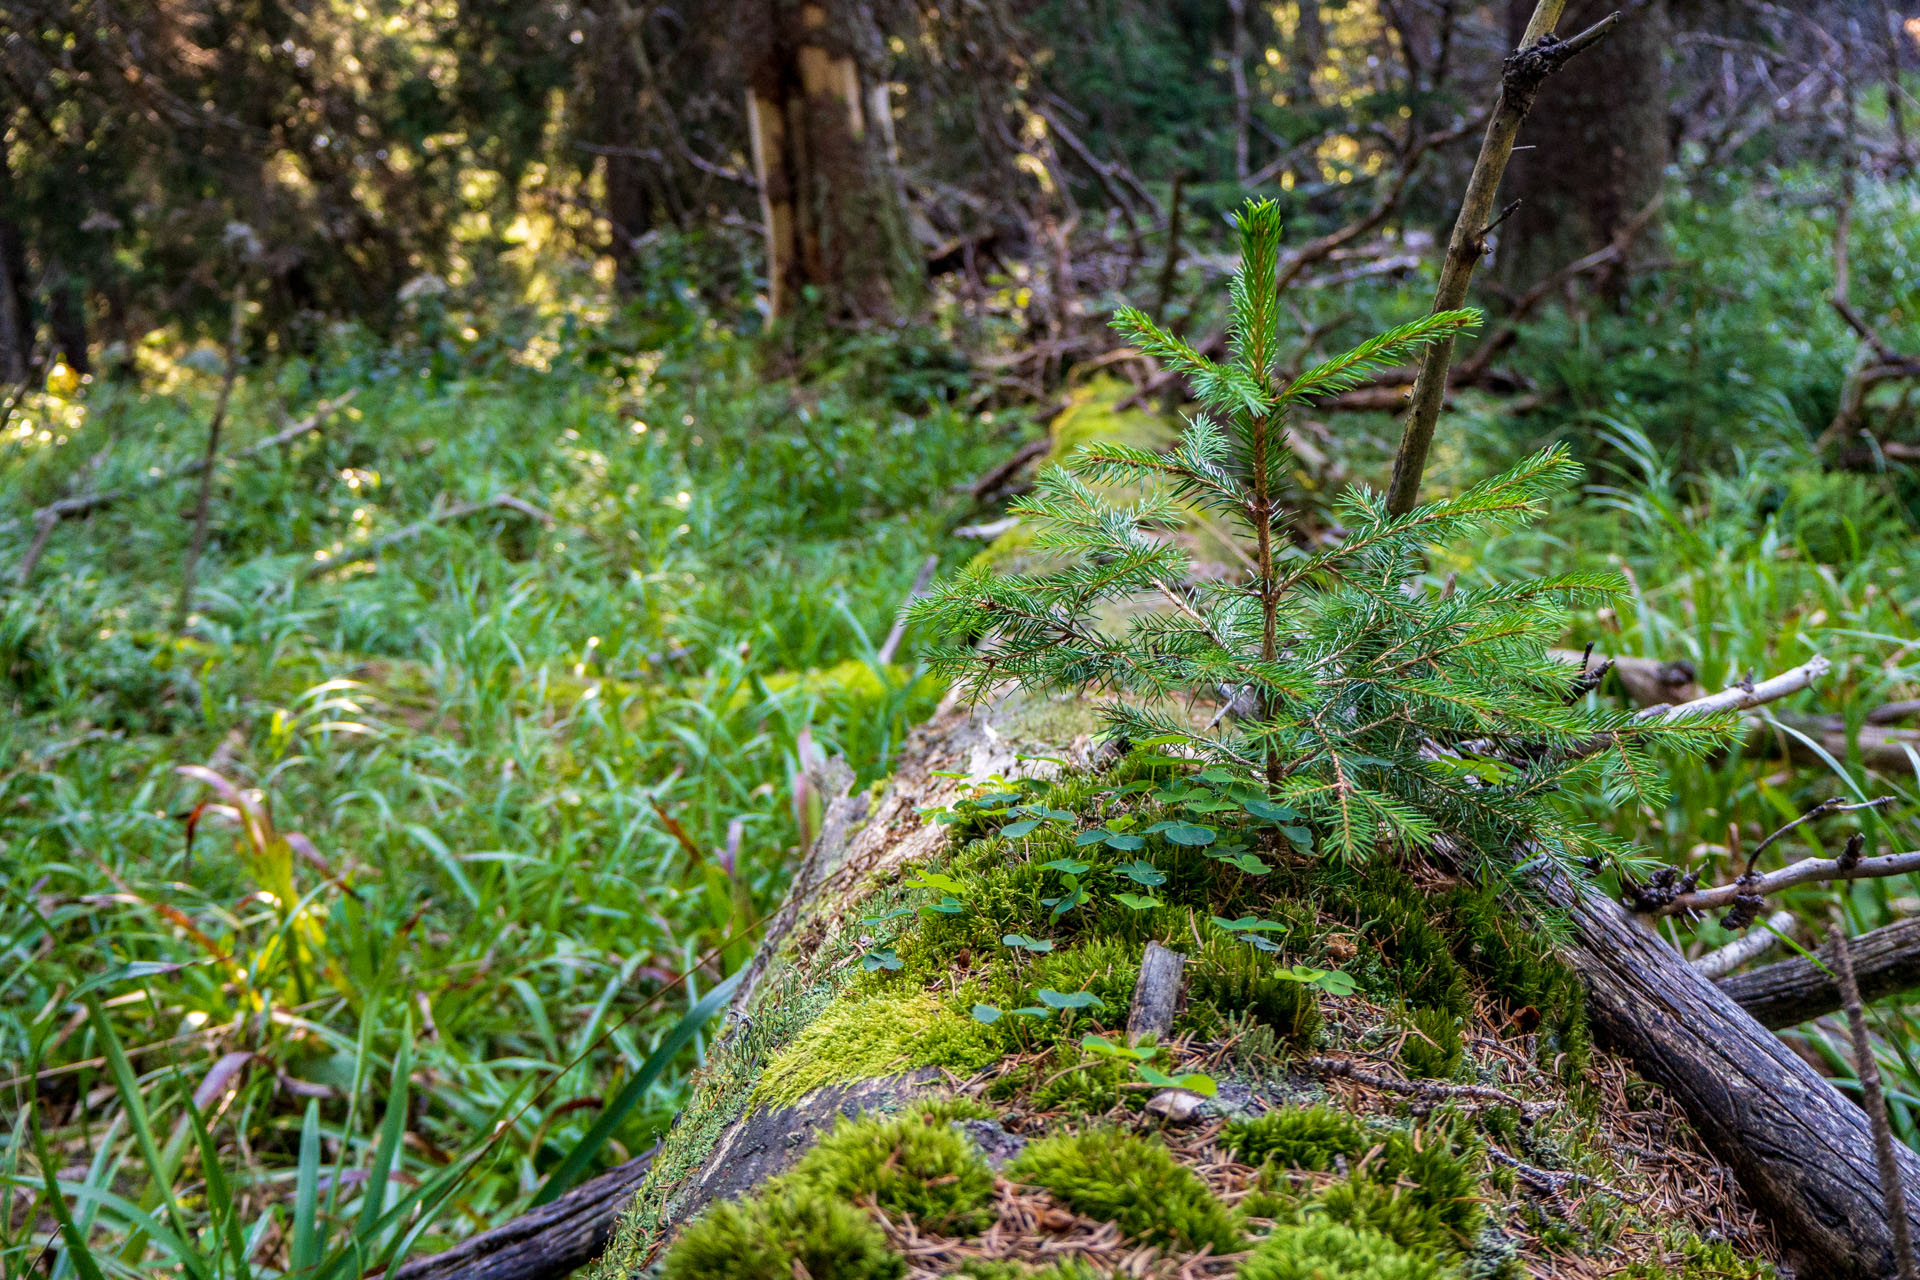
(1787, 993)
(1799, 1150)
(830, 202)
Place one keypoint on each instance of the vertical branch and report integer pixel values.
(1164, 297)
(1874, 1102)
(1242, 96)
(1527, 68)
(184, 605)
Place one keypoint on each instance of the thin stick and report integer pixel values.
(1749, 946)
(891, 644)
(459, 511)
(1874, 1101)
(1806, 871)
(185, 604)
(1832, 805)
(49, 517)
(1539, 56)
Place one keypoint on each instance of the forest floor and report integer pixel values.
(534, 772)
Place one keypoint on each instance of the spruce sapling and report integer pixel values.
(1380, 708)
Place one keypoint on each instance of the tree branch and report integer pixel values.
(1527, 68)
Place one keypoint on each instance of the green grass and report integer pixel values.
(551, 772)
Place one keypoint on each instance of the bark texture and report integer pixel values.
(1785, 994)
(1802, 1152)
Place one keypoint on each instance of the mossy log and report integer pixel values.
(1560, 1160)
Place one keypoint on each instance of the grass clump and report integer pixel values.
(907, 1166)
(793, 1230)
(1299, 1138)
(1434, 1047)
(867, 1037)
(1323, 1250)
(1132, 1182)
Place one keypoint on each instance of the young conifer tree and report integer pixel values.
(1381, 709)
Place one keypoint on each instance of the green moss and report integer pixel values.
(1134, 1183)
(1519, 966)
(1323, 1250)
(863, 1038)
(1417, 1191)
(1435, 1048)
(791, 1230)
(1299, 1138)
(1233, 977)
(1691, 1258)
(905, 1165)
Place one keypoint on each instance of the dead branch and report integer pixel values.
(891, 644)
(1872, 1100)
(1848, 866)
(1746, 948)
(1527, 68)
(459, 511)
(1000, 474)
(545, 1244)
(47, 518)
(184, 605)
(1886, 961)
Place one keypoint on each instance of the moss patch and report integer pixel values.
(787, 1232)
(908, 1166)
(1324, 1250)
(1133, 1182)
(871, 1036)
(1310, 1138)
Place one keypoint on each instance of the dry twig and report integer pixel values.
(1874, 1102)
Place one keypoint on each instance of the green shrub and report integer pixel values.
(791, 1229)
(1132, 1182)
(907, 1166)
(1299, 1138)
(1323, 1250)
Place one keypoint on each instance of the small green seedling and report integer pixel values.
(880, 958)
(1142, 873)
(1070, 999)
(1331, 981)
(1022, 942)
(1138, 901)
(1140, 1056)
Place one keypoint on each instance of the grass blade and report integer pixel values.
(569, 1169)
(304, 1254)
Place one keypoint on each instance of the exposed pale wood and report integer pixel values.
(1747, 948)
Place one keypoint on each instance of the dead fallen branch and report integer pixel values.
(447, 515)
(49, 517)
(1886, 961)
(1801, 1151)
(1872, 1100)
(1747, 948)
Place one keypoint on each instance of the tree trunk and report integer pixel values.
(1797, 1148)
(16, 306)
(1597, 142)
(830, 202)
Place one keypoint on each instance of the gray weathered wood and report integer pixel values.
(1156, 995)
(1789, 992)
(1802, 1153)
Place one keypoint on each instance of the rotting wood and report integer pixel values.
(1156, 995)
(1801, 1151)
(1872, 1099)
(547, 1243)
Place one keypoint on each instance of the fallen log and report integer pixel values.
(1800, 1150)
(547, 1243)
(1886, 961)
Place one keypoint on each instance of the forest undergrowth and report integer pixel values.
(522, 787)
